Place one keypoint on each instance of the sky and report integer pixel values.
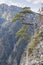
(34, 4)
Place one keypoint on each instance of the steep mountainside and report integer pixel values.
(11, 48)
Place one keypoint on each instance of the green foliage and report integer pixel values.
(22, 30)
(26, 36)
(26, 11)
(37, 58)
(21, 14)
(18, 17)
(30, 50)
(20, 40)
(22, 33)
(35, 40)
(33, 64)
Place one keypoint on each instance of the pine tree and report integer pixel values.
(23, 32)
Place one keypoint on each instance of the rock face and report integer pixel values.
(11, 50)
(36, 57)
